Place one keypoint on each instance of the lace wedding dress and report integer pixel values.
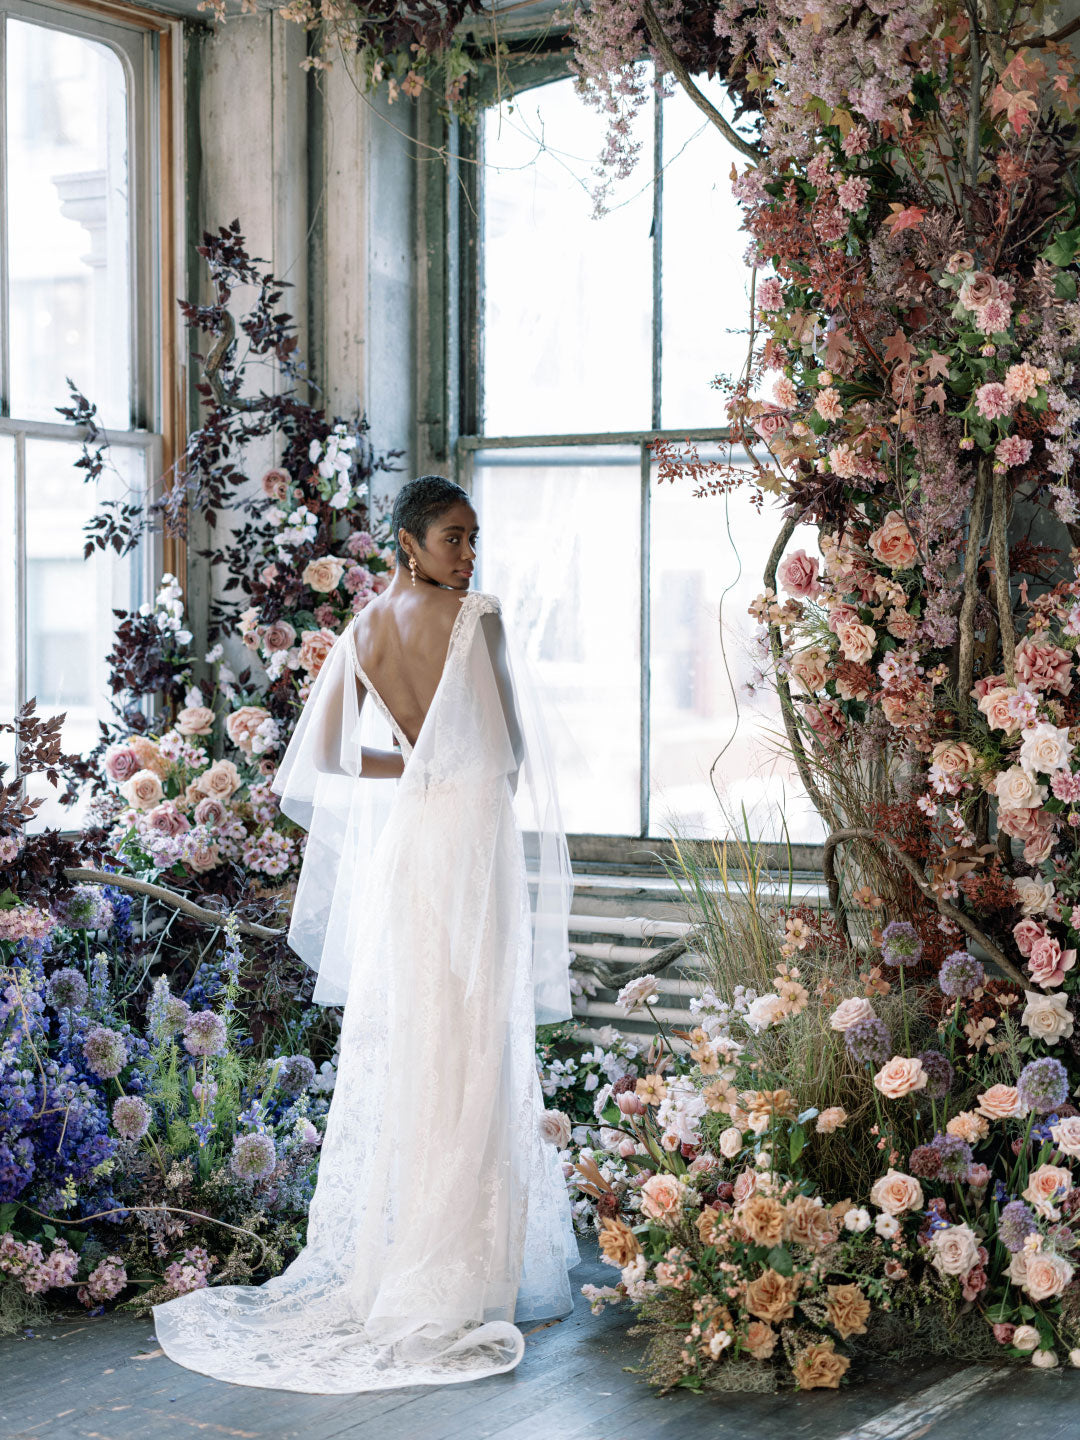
(441, 1220)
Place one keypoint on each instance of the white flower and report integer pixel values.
(1047, 1017)
(1045, 748)
(213, 656)
(1033, 896)
(857, 1220)
(194, 698)
(637, 991)
(1016, 790)
(314, 450)
(887, 1226)
(766, 1010)
(1044, 1360)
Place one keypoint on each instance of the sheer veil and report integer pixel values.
(486, 725)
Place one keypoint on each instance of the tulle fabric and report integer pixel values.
(441, 1221)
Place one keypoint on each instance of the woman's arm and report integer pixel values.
(495, 639)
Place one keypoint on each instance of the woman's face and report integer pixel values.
(448, 553)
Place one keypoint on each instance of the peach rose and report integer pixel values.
(1034, 827)
(811, 667)
(744, 1187)
(848, 1310)
(857, 641)
(896, 1192)
(121, 763)
(1043, 666)
(242, 724)
(891, 543)
(974, 293)
(1042, 1274)
(323, 574)
(956, 1249)
(706, 1224)
(798, 575)
(1047, 1183)
(851, 1012)
(810, 1223)
(1048, 963)
(201, 858)
(618, 1244)
(1047, 1017)
(1000, 1102)
(221, 780)
(143, 790)
(314, 648)
(994, 705)
(279, 636)
(900, 1076)
(953, 757)
(762, 1219)
(831, 1119)
(760, 1339)
(662, 1198)
(819, 1367)
(771, 1297)
(195, 720)
(150, 757)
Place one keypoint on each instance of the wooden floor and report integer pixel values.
(106, 1379)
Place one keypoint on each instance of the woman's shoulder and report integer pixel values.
(484, 603)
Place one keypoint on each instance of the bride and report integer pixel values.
(441, 1220)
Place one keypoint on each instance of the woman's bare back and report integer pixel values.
(401, 642)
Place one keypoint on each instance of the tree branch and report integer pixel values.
(168, 897)
(965, 667)
(1003, 600)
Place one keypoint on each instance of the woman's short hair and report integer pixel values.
(419, 503)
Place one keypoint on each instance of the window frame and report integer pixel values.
(149, 46)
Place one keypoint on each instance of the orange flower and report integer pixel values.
(848, 1310)
(818, 1367)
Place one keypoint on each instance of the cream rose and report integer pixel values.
(1016, 790)
(1046, 1017)
(1042, 1274)
(195, 720)
(851, 1012)
(1066, 1136)
(731, 1142)
(956, 1250)
(221, 780)
(1045, 749)
(323, 574)
(1000, 1102)
(1025, 1337)
(143, 790)
(1033, 896)
(892, 544)
(900, 1076)
(766, 1010)
(857, 641)
(896, 1192)
(555, 1128)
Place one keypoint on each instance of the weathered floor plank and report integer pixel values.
(83, 1379)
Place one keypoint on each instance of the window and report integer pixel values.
(81, 286)
(592, 336)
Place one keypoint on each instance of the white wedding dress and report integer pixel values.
(441, 1220)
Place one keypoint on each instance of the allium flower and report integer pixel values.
(66, 990)
(86, 909)
(900, 943)
(105, 1052)
(939, 1074)
(204, 1034)
(1043, 1084)
(960, 975)
(955, 1157)
(253, 1156)
(166, 1013)
(131, 1117)
(869, 1041)
(295, 1074)
(1015, 1223)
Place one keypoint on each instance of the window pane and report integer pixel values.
(707, 565)
(67, 223)
(706, 285)
(560, 546)
(567, 299)
(69, 600)
(8, 624)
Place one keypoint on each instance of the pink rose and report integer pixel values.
(1034, 827)
(121, 763)
(662, 1198)
(242, 724)
(770, 423)
(1048, 963)
(1025, 934)
(275, 483)
(857, 641)
(798, 574)
(314, 648)
(851, 1012)
(826, 720)
(209, 811)
(994, 704)
(1003, 1332)
(279, 636)
(891, 543)
(953, 757)
(1043, 666)
(195, 720)
(268, 574)
(166, 819)
(201, 858)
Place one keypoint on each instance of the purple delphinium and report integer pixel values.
(66, 990)
(955, 1157)
(105, 1052)
(253, 1156)
(1043, 1084)
(900, 943)
(204, 1034)
(131, 1117)
(960, 975)
(1015, 1223)
(869, 1041)
(939, 1074)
